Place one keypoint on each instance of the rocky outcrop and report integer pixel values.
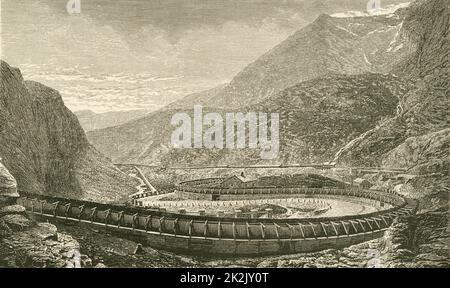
(12, 209)
(424, 109)
(105, 249)
(309, 78)
(418, 241)
(25, 242)
(417, 138)
(8, 185)
(45, 148)
(425, 154)
(352, 45)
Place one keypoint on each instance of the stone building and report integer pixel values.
(237, 181)
(362, 183)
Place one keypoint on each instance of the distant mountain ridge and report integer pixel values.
(425, 106)
(45, 148)
(90, 120)
(352, 45)
(418, 137)
(309, 78)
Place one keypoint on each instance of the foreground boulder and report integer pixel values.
(8, 186)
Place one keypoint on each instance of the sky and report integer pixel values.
(143, 54)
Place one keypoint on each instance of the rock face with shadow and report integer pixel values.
(25, 242)
(420, 240)
(45, 148)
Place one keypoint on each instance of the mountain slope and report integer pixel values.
(319, 52)
(44, 147)
(90, 120)
(418, 138)
(351, 45)
(322, 115)
(320, 118)
(425, 106)
(333, 107)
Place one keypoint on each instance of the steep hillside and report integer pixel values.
(352, 117)
(424, 109)
(322, 115)
(350, 45)
(45, 148)
(334, 107)
(90, 120)
(422, 154)
(202, 98)
(328, 46)
(418, 138)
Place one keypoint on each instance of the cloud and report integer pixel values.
(94, 63)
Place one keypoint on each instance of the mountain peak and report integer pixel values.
(42, 91)
(8, 72)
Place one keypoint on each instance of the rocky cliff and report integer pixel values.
(424, 109)
(24, 242)
(346, 45)
(418, 137)
(304, 78)
(396, 64)
(335, 108)
(397, 115)
(90, 120)
(45, 148)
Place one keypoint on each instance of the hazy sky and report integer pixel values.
(129, 54)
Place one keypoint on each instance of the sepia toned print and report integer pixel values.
(224, 133)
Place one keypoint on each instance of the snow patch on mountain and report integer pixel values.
(387, 10)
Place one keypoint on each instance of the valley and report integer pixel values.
(361, 177)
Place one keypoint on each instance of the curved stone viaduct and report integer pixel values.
(200, 190)
(195, 234)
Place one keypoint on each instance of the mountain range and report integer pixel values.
(90, 120)
(352, 45)
(337, 83)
